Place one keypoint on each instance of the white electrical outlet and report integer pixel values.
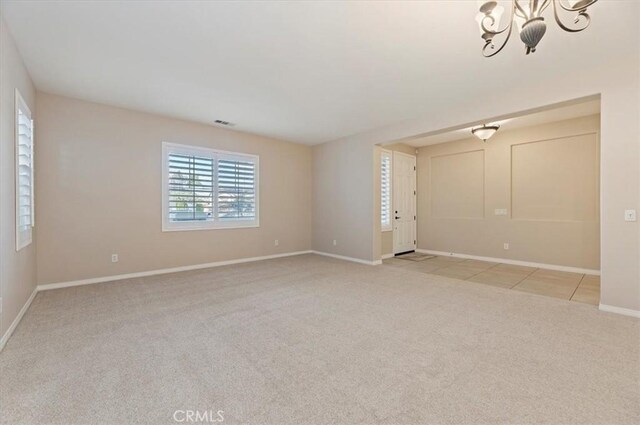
(276, 242)
(506, 245)
(629, 215)
(335, 242)
(500, 211)
(114, 258)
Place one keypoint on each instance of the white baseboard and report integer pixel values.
(619, 310)
(17, 320)
(385, 256)
(513, 262)
(352, 259)
(58, 285)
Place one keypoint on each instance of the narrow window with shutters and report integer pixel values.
(208, 189)
(385, 191)
(24, 173)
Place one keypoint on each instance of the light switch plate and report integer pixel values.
(629, 215)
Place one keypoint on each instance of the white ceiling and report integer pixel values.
(577, 110)
(308, 72)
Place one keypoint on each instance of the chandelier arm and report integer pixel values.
(491, 20)
(489, 43)
(574, 9)
(509, 27)
(516, 6)
(582, 15)
(544, 6)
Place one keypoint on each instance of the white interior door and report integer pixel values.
(404, 202)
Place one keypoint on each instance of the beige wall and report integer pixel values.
(387, 237)
(343, 200)
(400, 147)
(17, 269)
(98, 182)
(547, 179)
(387, 242)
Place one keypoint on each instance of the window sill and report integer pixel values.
(186, 227)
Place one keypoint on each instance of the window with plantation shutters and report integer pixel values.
(208, 189)
(385, 190)
(24, 173)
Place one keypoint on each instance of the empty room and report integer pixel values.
(320, 212)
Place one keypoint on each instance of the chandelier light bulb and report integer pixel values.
(576, 4)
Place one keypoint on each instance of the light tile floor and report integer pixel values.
(569, 286)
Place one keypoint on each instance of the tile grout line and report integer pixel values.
(437, 268)
(460, 262)
(408, 263)
(575, 290)
(442, 267)
(486, 270)
(524, 278)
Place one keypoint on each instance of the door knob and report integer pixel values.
(397, 218)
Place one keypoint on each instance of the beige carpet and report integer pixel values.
(312, 340)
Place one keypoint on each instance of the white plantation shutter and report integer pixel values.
(190, 187)
(385, 194)
(205, 188)
(24, 173)
(236, 188)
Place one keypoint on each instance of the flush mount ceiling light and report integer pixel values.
(527, 16)
(485, 132)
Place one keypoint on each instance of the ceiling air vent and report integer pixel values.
(225, 123)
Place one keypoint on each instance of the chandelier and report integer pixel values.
(527, 17)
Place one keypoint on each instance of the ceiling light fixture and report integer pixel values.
(485, 132)
(527, 16)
